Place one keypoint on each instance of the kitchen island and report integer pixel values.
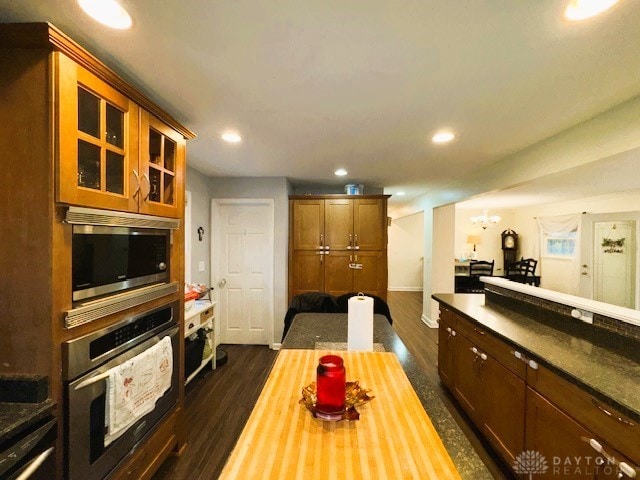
(563, 379)
(329, 331)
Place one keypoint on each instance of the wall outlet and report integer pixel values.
(201, 266)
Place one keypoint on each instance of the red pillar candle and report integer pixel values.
(330, 387)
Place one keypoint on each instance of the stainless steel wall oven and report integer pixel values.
(86, 362)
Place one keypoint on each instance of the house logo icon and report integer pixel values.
(530, 463)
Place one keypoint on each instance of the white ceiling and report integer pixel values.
(312, 86)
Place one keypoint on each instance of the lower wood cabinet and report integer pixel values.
(502, 408)
(446, 338)
(338, 272)
(525, 409)
(491, 395)
(562, 442)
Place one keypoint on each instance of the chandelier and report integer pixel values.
(485, 220)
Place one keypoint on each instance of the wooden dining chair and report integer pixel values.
(479, 268)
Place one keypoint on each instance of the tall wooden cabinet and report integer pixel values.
(338, 244)
(75, 134)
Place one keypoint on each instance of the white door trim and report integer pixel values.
(216, 203)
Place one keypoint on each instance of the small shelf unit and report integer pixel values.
(201, 315)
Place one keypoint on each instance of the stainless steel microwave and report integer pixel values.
(109, 259)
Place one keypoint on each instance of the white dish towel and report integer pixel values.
(134, 387)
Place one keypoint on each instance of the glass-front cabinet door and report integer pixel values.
(98, 142)
(162, 153)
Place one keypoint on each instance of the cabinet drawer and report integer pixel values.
(615, 429)
(206, 315)
(491, 345)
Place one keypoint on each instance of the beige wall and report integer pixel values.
(490, 246)
(406, 252)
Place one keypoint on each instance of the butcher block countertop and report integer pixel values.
(393, 439)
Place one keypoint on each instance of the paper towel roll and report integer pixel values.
(360, 323)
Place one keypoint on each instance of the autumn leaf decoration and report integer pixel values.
(354, 396)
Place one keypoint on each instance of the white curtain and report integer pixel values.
(563, 224)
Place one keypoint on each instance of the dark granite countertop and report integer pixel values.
(18, 417)
(597, 365)
(311, 328)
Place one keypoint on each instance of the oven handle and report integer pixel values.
(35, 464)
(90, 381)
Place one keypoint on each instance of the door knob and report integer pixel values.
(222, 282)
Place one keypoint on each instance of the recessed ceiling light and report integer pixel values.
(443, 136)
(341, 172)
(107, 12)
(400, 194)
(231, 137)
(583, 9)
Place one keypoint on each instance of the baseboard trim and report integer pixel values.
(404, 289)
(275, 346)
(428, 322)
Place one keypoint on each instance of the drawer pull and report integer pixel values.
(478, 353)
(609, 414)
(533, 364)
(627, 470)
(449, 329)
(480, 332)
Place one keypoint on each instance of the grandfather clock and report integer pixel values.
(509, 248)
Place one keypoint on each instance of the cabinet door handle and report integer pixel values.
(624, 468)
(474, 350)
(453, 333)
(321, 241)
(479, 332)
(627, 469)
(448, 329)
(349, 247)
(137, 175)
(146, 177)
(624, 421)
(483, 356)
(355, 242)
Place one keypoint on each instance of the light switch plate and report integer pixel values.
(201, 266)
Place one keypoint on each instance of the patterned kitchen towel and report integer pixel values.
(134, 387)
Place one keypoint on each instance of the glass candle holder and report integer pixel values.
(331, 381)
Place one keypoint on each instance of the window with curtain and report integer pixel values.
(560, 244)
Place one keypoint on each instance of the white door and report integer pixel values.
(242, 273)
(609, 268)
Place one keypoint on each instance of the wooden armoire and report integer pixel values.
(338, 244)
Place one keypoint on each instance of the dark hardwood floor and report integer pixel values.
(218, 403)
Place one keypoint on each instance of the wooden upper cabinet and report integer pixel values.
(113, 154)
(369, 224)
(307, 225)
(97, 140)
(162, 158)
(339, 224)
